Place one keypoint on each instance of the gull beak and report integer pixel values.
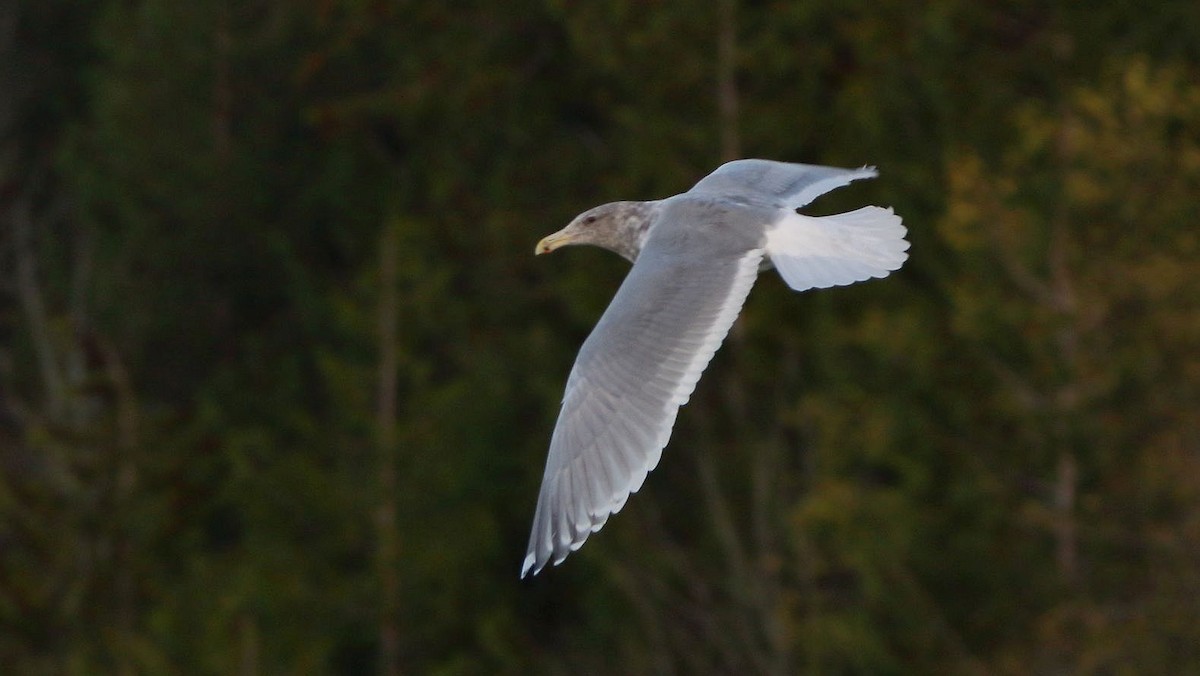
(551, 242)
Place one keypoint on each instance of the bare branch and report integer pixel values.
(32, 302)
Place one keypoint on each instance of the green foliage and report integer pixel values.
(983, 464)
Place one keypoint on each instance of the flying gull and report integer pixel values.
(695, 257)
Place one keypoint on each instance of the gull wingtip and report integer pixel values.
(527, 565)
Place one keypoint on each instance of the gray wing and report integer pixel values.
(634, 371)
(783, 183)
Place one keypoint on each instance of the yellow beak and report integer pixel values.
(551, 242)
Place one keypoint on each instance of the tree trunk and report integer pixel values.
(389, 632)
(727, 94)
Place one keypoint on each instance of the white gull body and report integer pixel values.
(695, 257)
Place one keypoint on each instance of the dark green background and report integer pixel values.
(988, 463)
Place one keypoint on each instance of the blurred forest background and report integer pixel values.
(278, 368)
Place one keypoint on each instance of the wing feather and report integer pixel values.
(635, 370)
(783, 183)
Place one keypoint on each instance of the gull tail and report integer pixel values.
(816, 252)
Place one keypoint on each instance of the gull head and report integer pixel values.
(620, 227)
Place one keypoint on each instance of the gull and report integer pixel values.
(695, 257)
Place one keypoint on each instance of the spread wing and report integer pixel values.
(634, 371)
(814, 252)
(782, 183)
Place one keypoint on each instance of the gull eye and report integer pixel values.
(588, 220)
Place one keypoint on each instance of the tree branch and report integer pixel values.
(34, 307)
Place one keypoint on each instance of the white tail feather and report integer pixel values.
(823, 251)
